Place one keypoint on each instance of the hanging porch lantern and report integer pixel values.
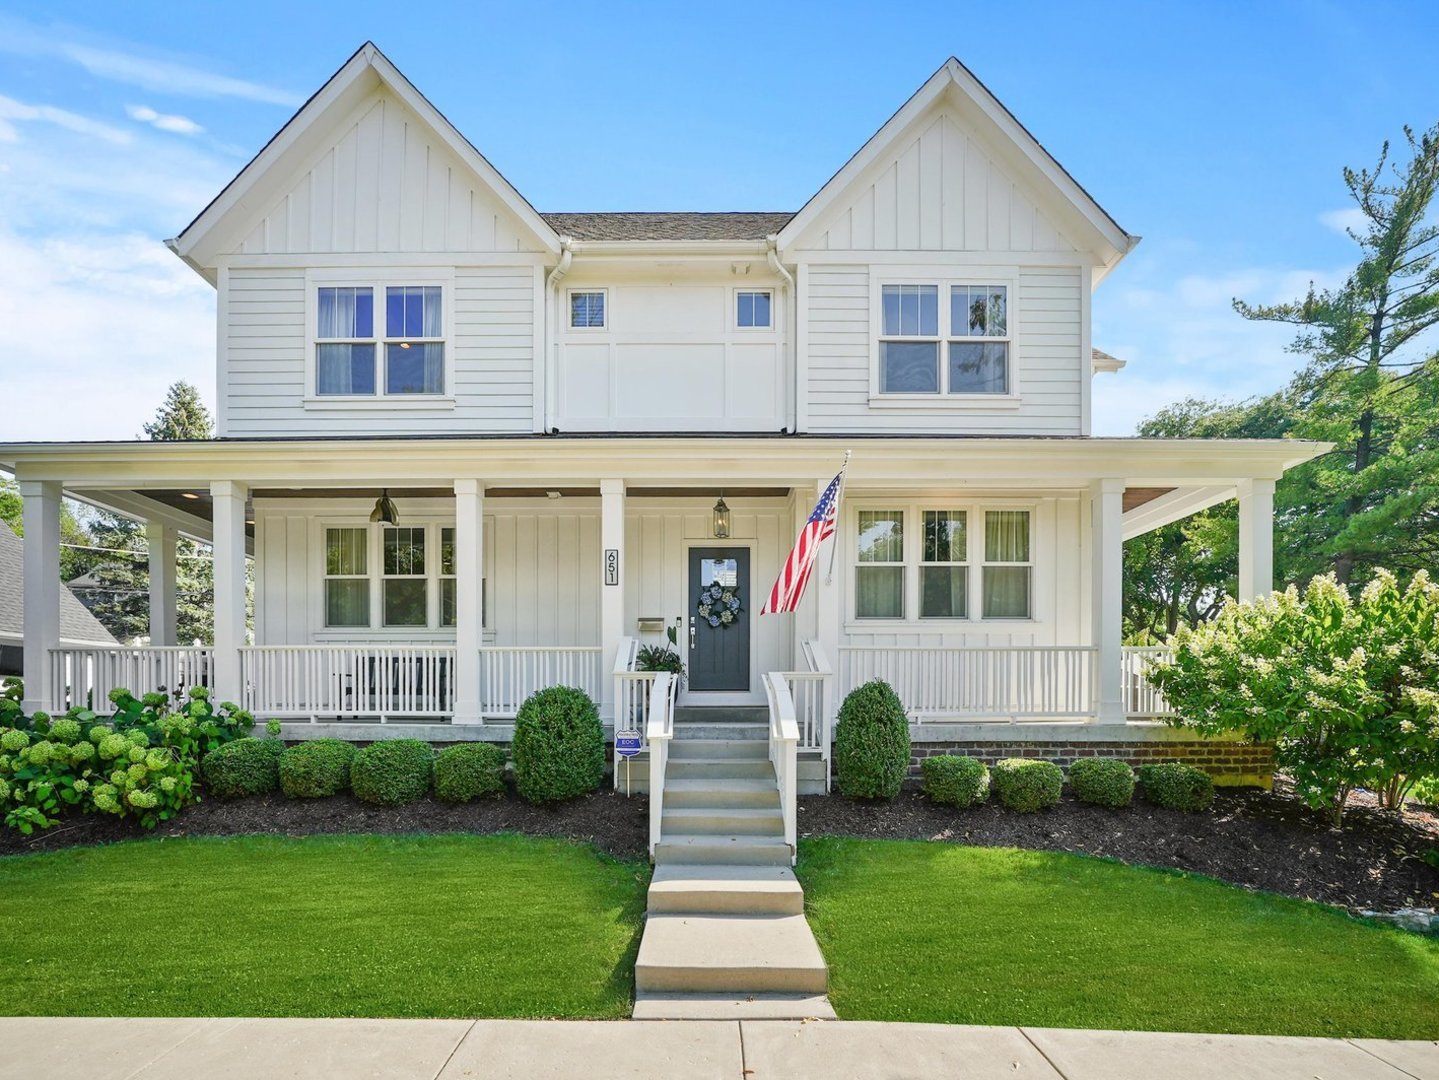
(721, 519)
(384, 511)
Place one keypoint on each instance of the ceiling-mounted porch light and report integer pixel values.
(384, 511)
(721, 522)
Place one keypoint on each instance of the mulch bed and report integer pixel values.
(1256, 839)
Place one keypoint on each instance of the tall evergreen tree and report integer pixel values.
(181, 416)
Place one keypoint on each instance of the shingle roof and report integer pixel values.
(668, 226)
(76, 623)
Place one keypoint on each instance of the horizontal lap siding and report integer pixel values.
(1047, 363)
(492, 340)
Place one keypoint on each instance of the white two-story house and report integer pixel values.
(474, 449)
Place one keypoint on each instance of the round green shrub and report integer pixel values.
(1426, 792)
(469, 771)
(315, 769)
(1028, 784)
(559, 745)
(960, 781)
(1102, 781)
(1177, 786)
(393, 772)
(871, 742)
(243, 767)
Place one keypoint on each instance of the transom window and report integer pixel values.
(959, 346)
(752, 310)
(942, 563)
(352, 359)
(587, 309)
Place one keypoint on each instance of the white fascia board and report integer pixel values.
(1171, 507)
(251, 192)
(909, 463)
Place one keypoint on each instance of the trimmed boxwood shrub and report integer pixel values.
(243, 767)
(469, 771)
(315, 769)
(559, 745)
(1102, 781)
(871, 742)
(1028, 784)
(393, 772)
(1177, 786)
(960, 781)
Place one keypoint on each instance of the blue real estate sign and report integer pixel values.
(627, 743)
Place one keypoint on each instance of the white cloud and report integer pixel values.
(12, 110)
(1341, 221)
(177, 125)
(134, 69)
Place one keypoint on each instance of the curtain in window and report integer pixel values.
(1006, 592)
(1006, 536)
(346, 313)
(347, 602)
(879, 590)
(415, 368)
(413, 311)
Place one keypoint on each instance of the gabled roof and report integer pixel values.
(669, 226)
(1092, 225)
(77, 625)
(248, 193)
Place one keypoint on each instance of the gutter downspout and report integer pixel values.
(771, 244)
(552, 351)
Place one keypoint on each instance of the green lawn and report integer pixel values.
(494, 926)
(939, 932)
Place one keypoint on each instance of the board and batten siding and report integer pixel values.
(264, 368)
(1046, 367)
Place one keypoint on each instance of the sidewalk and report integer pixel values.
(188, 1049)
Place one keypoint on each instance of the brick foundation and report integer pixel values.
(1232, 764)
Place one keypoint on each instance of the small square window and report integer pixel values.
(752, 310)
(587, 310)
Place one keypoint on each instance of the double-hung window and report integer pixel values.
(405, 587)
(1008, 566)
(944, 565)
(398, 351)
(944, 338)
(347, 577)
(449, 609)
(879, 575)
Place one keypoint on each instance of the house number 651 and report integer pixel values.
(612, 566)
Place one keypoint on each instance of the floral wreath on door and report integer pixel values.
(719, 605)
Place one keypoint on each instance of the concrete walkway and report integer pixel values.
(187, 1049)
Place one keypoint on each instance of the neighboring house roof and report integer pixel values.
(77, 625)
(669, 226)
(1103, 361)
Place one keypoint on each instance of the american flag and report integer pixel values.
(789, 586)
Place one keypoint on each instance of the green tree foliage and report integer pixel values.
(1346, 689)
(182, 416)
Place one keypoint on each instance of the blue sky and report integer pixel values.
(1217, 132)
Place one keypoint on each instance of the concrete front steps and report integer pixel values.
(725, 937)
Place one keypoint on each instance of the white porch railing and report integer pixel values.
(1004, 683)
(83, 678)
(1141, 698)
(783, 751)
(349, 681)
(658, 732)
(511, 673)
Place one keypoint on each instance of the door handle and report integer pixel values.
(692, 632)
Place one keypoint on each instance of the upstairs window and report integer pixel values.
(958, 346)
(752, 310)
(348, 348)
(587, 309)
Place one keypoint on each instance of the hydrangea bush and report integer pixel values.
(1346, 688)
(139, 763)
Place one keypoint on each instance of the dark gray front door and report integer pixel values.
(719, 655)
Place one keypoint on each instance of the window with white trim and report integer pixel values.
(449, 587)
(1008, 569)
(402, 354)
(754, 309)
(404, 586)
(587, 309)
(944, 565)
(960, 346)
(347, 577)
(879, 572)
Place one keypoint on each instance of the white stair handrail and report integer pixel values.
(784, 752)
(658, 732)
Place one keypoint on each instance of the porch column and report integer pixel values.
(1256, 538)
(469, 598)
(160, 540)
(612, 586)
(229, 541)
(1106, 510)
(41, 519)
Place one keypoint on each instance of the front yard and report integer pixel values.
(944, 933)
(492, 926)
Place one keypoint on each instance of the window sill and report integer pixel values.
(928, 625)
(380, 402)
(966, 402)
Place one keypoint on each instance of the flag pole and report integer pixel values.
(838, 499)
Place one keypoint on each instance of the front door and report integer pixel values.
(719, 641)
